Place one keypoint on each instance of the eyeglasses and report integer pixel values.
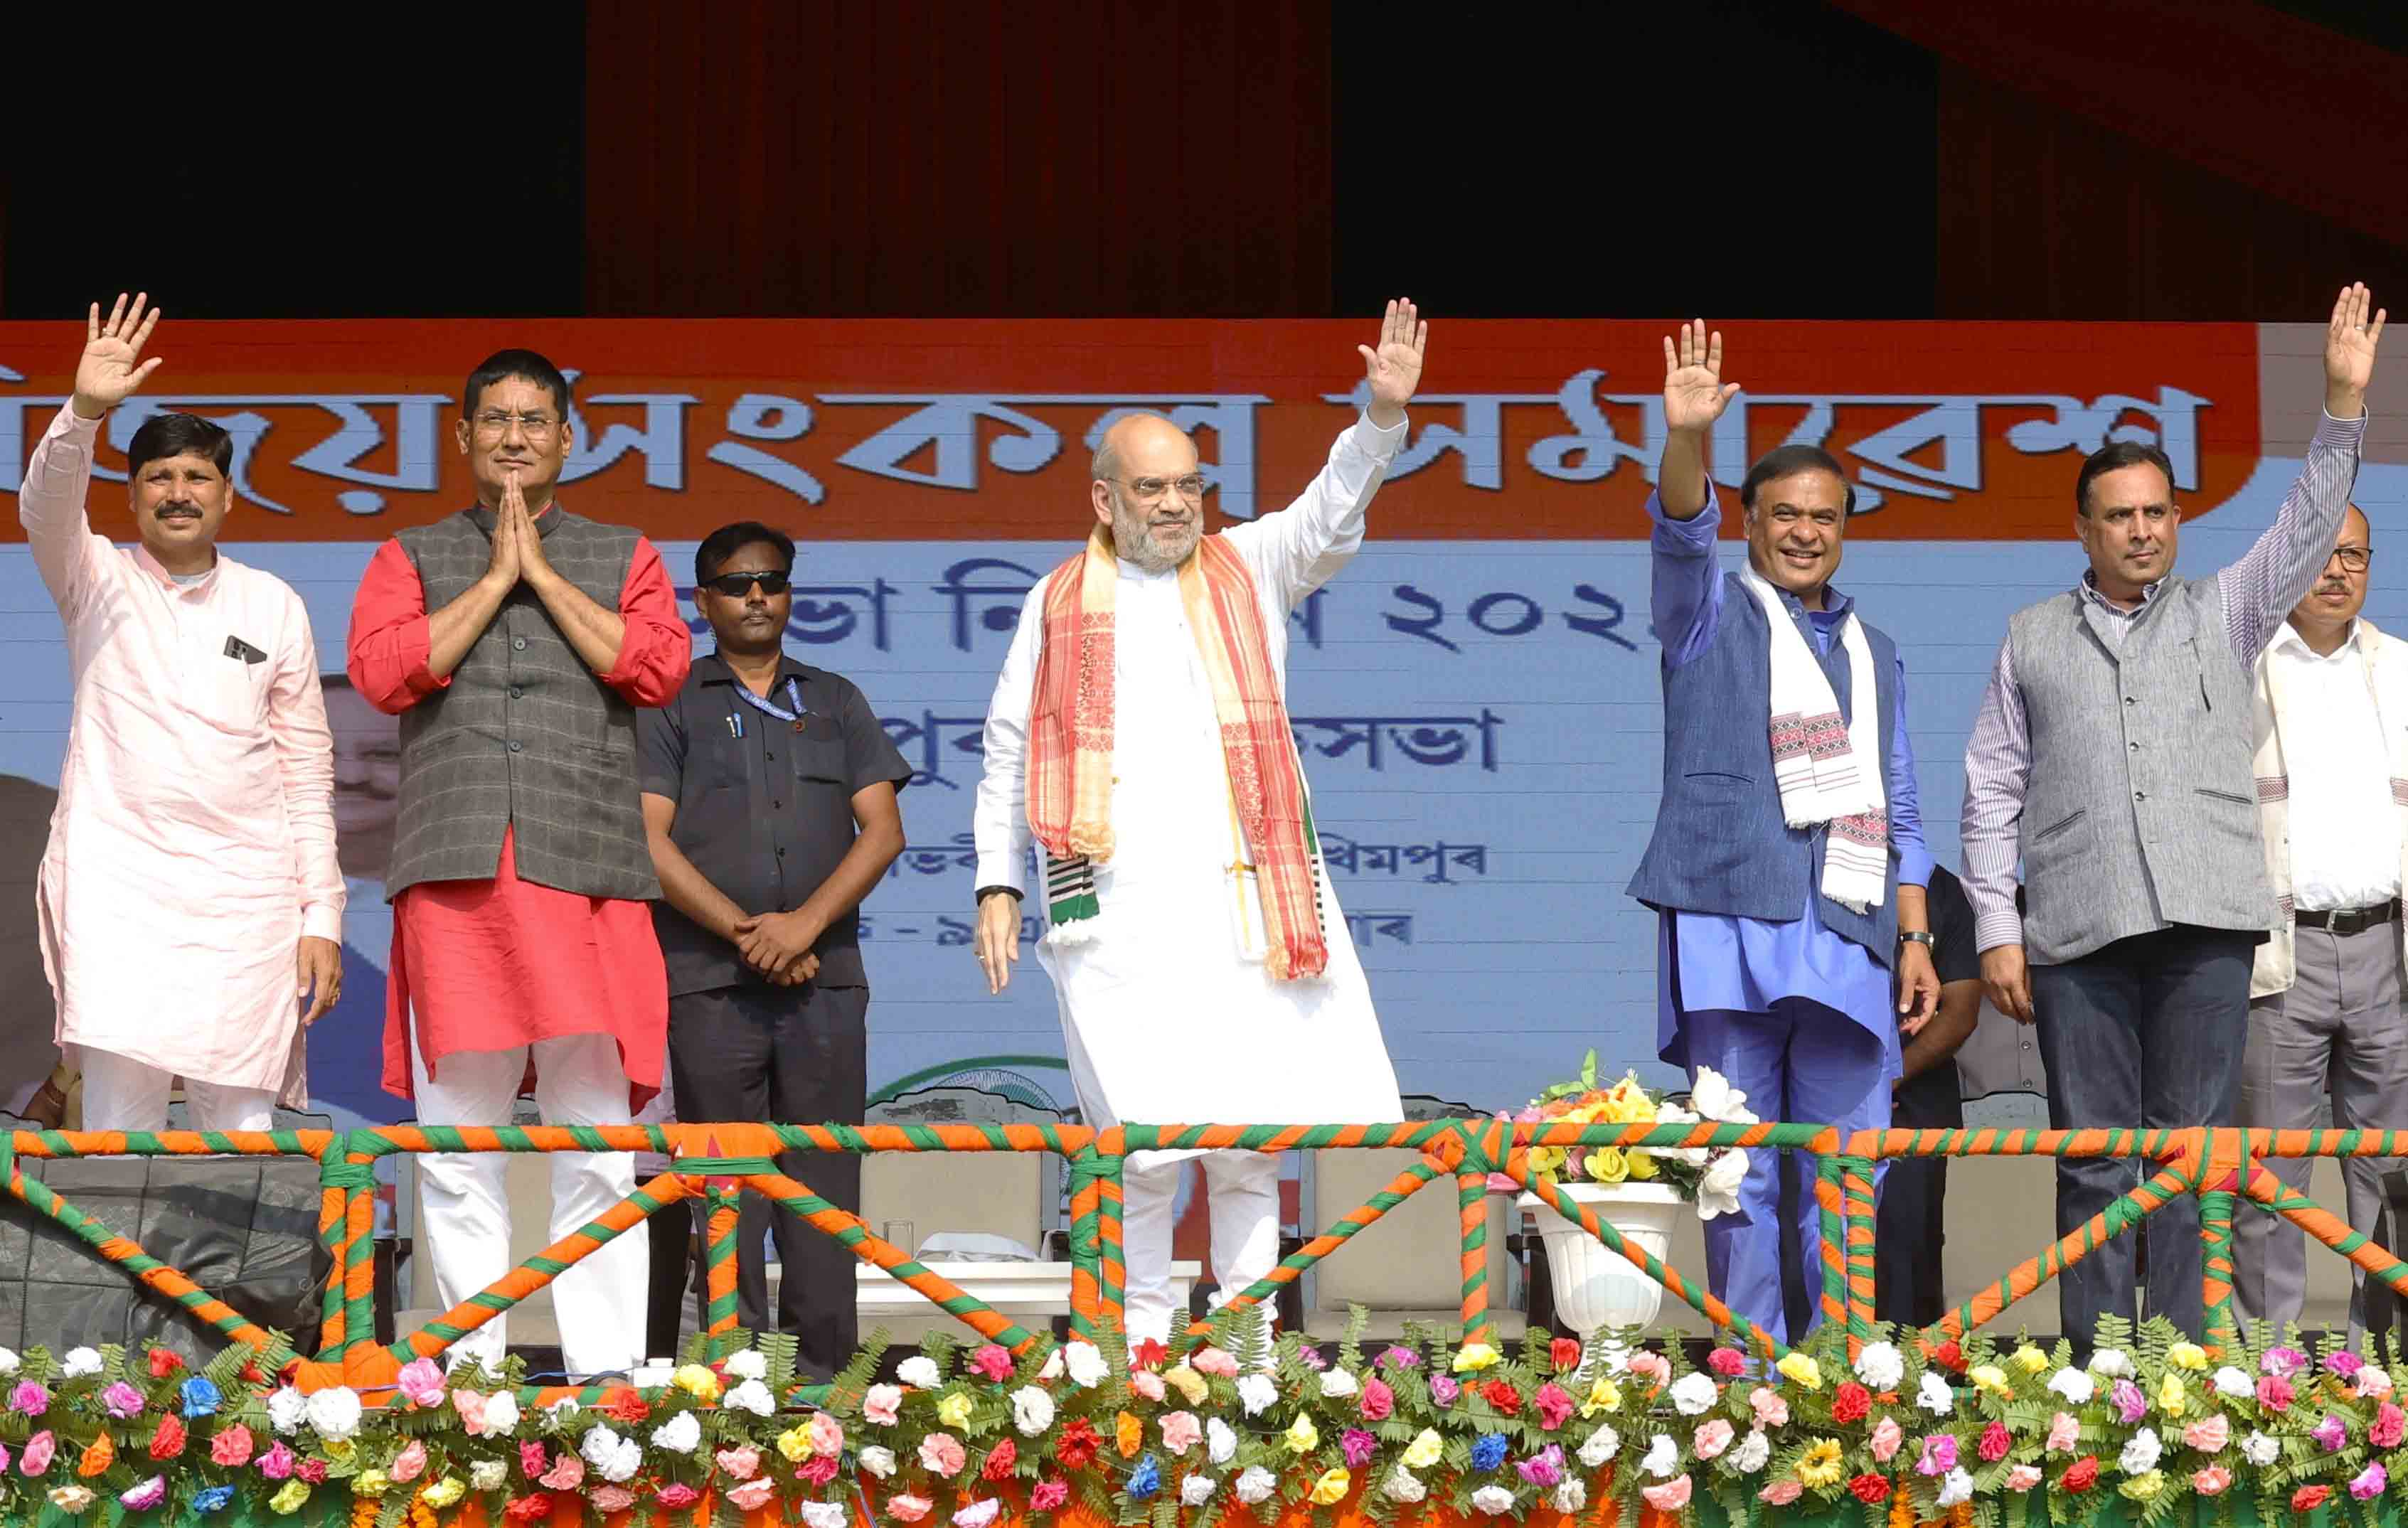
(2353, 559)
(493, 426)
(737, 585)
(1151, 489)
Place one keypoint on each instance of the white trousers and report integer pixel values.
(1244, 1187)
(466, 1225)
(122, 1094)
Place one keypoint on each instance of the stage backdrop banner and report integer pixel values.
(1476, 694)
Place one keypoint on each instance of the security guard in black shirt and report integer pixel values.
(769, 801)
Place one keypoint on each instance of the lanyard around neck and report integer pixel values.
(759, 703)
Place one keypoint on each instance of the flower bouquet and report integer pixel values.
(1709, 1178)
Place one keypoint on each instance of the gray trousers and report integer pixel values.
(2337, 1031)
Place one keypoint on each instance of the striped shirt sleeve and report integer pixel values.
(1998, 767)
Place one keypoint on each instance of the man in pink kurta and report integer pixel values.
(515, 641)
(197, 792)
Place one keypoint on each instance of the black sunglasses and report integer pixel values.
(737, 585)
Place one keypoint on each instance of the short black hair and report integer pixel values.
(726, 542)
(2113, 457)
(1788, 461)
(162, 435)
(502, 365)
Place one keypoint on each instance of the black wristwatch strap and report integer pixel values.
(985, 891)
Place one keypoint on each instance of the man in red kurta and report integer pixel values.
(515, 641)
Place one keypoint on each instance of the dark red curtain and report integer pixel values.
(912, 158)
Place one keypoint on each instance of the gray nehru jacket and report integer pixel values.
(526, 735)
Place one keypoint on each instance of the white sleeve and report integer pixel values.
(1294, 550)
(51, 506)
(999, 818)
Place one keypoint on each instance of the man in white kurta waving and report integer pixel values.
(1139, 734)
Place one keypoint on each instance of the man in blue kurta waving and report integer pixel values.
(1787, 865)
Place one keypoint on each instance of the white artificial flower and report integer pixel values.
(1256, 1393)
(2259, 1450)
(1880, 1366)
(752, 1395)
(286, 1409)
(1086, 1364)
(78, 1362)
(1052, 1370)
(679, 1435)
(2140, 1453)
(1752, 1452)
(598, 1445)
(879, 1460)
(1255, 1485)
(624, 1462)
(1197, 1489)
(1602, 1445)
(488, 1475)
(1032, 1410)
(1337, 1384)
(1713, 1097)
(1956, 1486)
(1663, 1458)
(1220, 1441)
(8, 1362)
(1672, 1114)
(561, 1410)
(2373, 1382)
(1718, 1189)
(748, 1363)
(919, 1371)
(2074, 1385)
(335, 1413)
(2233, 1384)
(1934, 1396)
(1494, 1500)
(1571, 1495)
(501, 1414)
(2114, 1362)
(1402, 1485)
(1692, 1394)
(826, 1514)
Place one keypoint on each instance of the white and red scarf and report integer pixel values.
(1823, 775)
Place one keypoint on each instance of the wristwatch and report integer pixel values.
(985, 891)
(1914, 936)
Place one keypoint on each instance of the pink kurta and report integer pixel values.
(193, 842)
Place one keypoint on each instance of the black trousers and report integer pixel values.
(792, 1055)
(1907, 1237)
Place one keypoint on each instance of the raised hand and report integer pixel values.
(112, 368)
(2350, 339)
(1395, 369)
(1695, 392)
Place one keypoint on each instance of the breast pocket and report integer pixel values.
(233, 695)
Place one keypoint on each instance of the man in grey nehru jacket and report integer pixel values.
(2112, 752)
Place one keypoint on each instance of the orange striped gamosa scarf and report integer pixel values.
(1070, 743)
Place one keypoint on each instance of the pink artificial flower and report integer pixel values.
(1219, 1362)
(1653, 1366)
(2064, 1432)
(827, 1435)
(422, 1381)
(471, 1407)
(901, 1508)
(2370, 1483)
(230, 1448)
(738, 1464)
(753, 1496)
(2023, 1476)
(151, 1493)
(2373, 1382)
(1726, 1362)
(818, 1470)
(1378, 1402)
(34, 1458)
(678, 1493)
(567, 1473)
(1995, 1443)
(1553, 1403)
(610, 1498)
(1769, 1408)
(1670, 1496)
(312, 1470)
(275, 1464)
(942, 1452)
(1781, 1492)
(2387, 1428)
(2209, 1434)
(2211, 1481)
(409, 1464)
(531, 1459)
(1888, 1436)
(880, 1404)
(1147, 1384)
(1713, 1438)
(2275, 1392)
(993, 1361)
(1181, 1432)
(1050, 1494)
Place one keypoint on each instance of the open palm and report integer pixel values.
(1695, 394)
(2351, 337)
(112, 368)
(1395, 369)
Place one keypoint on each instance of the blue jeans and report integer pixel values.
(2148, 1031)
(1802, 1063)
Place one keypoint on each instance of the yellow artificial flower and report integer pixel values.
(371, 1483)
(1800, 1369)
(1603, 1396)
(443, 1492)
(1425, 1449)
(2032, 1360)
(1642, 1165)
(288, 1498)
(696, 1381)
(2142, 1488)
(1991, 1377)
(1185, 1380)
(2187, 1355)
(1587, 1114)
(1331, 1488)
(1820, 1465)
(954, 1410)
(1546, 1159)
(1302, 1437)
(1607, 1164)
(1474, 1357)
(795, 1442)
(1128, 1433)
(2170, 1394)
(339, 1450)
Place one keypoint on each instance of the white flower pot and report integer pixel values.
(1597, 1288)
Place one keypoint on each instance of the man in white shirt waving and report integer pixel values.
(2331, 714)
(1139, 734)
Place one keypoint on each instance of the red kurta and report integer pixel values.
(496, 965)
